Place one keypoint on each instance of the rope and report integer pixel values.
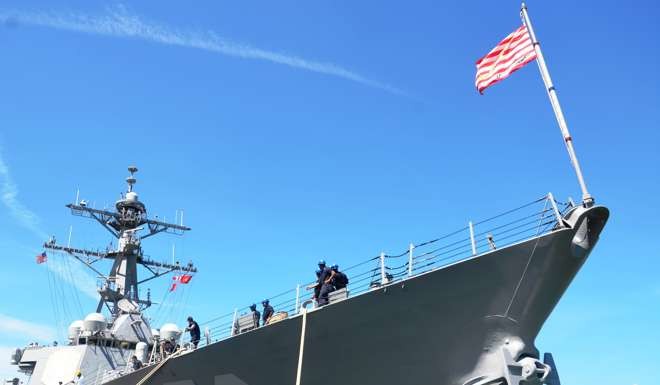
(514, 210)
(53, 299)
(71, 288)
(155, 369)
(529, 261)
(302, 345)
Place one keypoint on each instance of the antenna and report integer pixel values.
(131, 179)
(125, 223)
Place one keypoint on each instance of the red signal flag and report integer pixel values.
(185, 278)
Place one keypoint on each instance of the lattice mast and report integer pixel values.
(119, 292)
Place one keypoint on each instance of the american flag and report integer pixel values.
(509, 55)
(41, 258)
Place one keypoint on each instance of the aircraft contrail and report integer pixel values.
(119, 22)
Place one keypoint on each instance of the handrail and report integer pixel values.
(532, 219)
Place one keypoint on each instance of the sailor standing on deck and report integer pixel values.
(255, 315)
(195, 334)
(268, 311)
(135, 363)
(167, 347)
(317, 288)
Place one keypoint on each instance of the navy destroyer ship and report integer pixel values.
(464, 308)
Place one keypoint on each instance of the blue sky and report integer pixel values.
(290, 131)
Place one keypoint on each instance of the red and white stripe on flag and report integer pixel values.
(509, 55)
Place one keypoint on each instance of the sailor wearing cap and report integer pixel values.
(324, 283)
(195, 333)
(255, 315)
(268, 311)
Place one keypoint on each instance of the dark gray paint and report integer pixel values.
(444, 327)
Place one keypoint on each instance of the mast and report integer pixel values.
(587, 199)
(119, 293)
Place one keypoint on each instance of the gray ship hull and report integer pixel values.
(455, 325)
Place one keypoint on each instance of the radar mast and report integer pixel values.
(130, 225)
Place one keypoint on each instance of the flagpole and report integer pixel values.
(587, 199)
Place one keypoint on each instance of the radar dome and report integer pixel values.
(170, 331)
(132, 196)
(74, 329)
(94, 322)
(141, 351)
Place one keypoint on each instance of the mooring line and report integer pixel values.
(302, 345)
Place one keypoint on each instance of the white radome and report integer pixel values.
(142, 351)
(74, 329)
(170, 331)
(94, 322)
(132, 196)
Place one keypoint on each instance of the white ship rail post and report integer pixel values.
(587, 199)
(555, 210)
(472, 241)
(297, 299)
(383, 274)
(411, 259)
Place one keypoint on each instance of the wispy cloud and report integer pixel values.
(72, 273)
(9, 197)
(119, 22)
(13, 329)
(10, 325)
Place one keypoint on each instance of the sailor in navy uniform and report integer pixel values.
(255, 315)
(325, 283)
(268, 311)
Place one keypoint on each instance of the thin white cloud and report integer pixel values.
(9, 197)
(118, 22)
(73, 273)
(10, 326)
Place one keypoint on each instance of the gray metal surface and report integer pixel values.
(461, 324)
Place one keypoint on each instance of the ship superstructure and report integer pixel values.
(461, 309)
(101, 345)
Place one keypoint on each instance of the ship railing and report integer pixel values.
(476, 238)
